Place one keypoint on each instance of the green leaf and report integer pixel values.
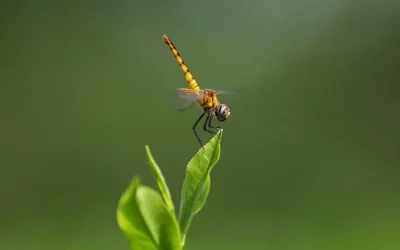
(160, 180)
(145, 220)
(196, 185)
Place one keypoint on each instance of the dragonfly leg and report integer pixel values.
(211, 126)
(207, 124)
(194, 128)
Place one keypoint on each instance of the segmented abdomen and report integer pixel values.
(189, 78)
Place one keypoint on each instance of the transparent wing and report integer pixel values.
(223, 92)
(186, 98)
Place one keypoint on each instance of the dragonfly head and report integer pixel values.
(222, 112)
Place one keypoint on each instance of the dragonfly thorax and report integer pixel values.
(222, 112)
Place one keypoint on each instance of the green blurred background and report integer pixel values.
(310, 156)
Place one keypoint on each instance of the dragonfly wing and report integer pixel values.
(186, 99)
(182, 104)
(219, 92)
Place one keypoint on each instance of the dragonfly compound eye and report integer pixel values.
(222, 112)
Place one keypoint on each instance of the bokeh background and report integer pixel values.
(310, 156)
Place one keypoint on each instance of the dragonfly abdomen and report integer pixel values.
(192, 83)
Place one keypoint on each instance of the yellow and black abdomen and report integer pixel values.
(192, 83)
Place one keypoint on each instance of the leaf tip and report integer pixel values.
(218, 136)
(148, 152)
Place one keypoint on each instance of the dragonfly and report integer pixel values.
(206, 98)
